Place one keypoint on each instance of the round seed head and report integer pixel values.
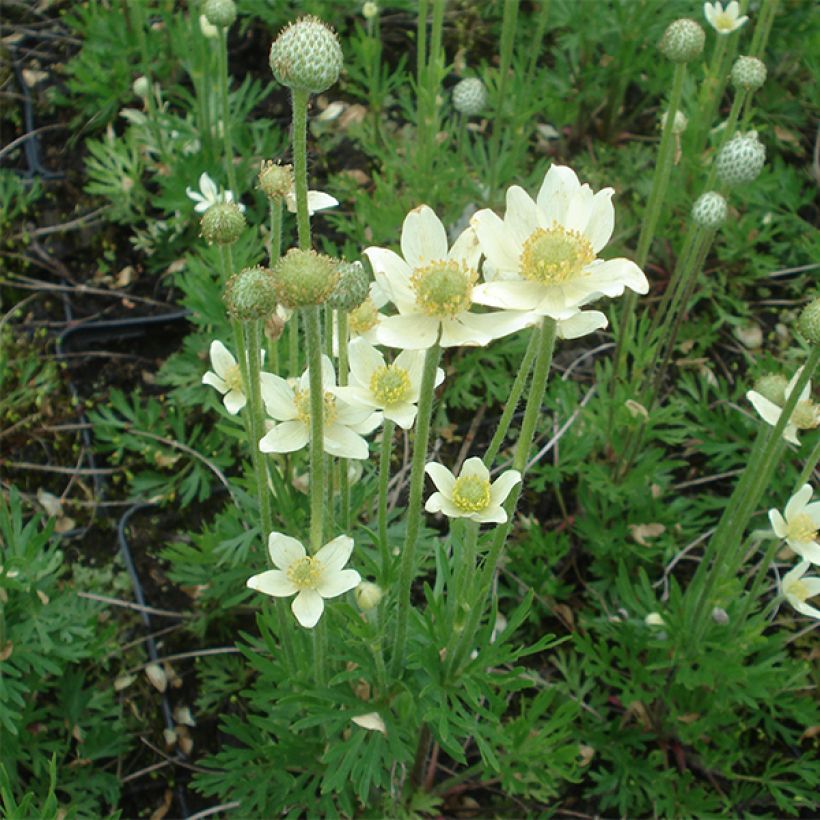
(351, 289)
(306, 56)
(469, 96)
(304, 278)
(368, 595)
(222, 223)
(250, 294)
(741, 159)
(220, 13)
(709, 210)
(275, 180)
(682, 41)
(772, 386)
(748, 73)
(809, 322)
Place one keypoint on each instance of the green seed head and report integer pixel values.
(306, 56)
(809, 322)
(351, 289)
(772, 386)
(682, 41)
(741, 159)
(275, 180)
(222, 223)
(304, 278)
(220, 13)
(709, 210)
(250, 294)
(469, 96)
(748, 73)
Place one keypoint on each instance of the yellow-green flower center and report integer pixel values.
(799, 590)
(363, 318)
(471, 493)
(233, 378)
(805, 416)
(305, 572)
(390, 385)
(444, 288)
(724, 22)
(801, 528)
(301, 398)
(554, 255)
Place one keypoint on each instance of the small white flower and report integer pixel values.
(470, 495)
(724, 21)
(209, 194)
(317, 201)
(806, 415)
(289, 404)
(310, 578)
(799, 524)
(226, 377)
(432, 288)
(797, 590)
(543, 255)
(392, 388)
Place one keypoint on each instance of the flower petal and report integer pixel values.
(273, 582)
(320, 201)
(423, 238)
(461, 332)
(521, 217)
(338, 583)
(286, 437)
(466, 248)
(341, 441)
(510, 295)
(501, 487)
(581, 324)
(778, 523)
(221, 360)
(601, 219)
(497, 243)
(411, 331)
(494, 325)
(559, 185)
(494, 514)
(234, 401)
(767, 410)
(284, 550)
(799, 500)
(210, 378)
(335, 554)
(442, 477)
(364, 359)
(402, 414)
(278, 398)
(474, 467)
(392, 276)
(308, 606)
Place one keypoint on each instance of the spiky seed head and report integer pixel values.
(709, 210)
(748, 73)
(469, 96)
(368, 595)
(772, 386)
(220, 13)
(306, 56)
(809, 321)
(741, 159)
(682, 41)
(304, 278)
(222, 223)
(351, 289)
(275, 180)
(250, 294)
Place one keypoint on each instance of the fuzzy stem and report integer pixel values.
(384, 482)
(344, 366)
(300, 104)
(808, 468)
(317, 412)
(226, 109)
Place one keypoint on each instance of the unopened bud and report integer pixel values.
(748, 73)
(351, 289)
(369, 10)
(469, 96)
(219, 13)
(741, 159)
(250, 294)
(809, 322)
(709, 210)
(654, 619)
(306, 56)
(222, 223)
(304, 278)
(141, 87)
(682, 41)
(679, 123)
(276, 180)
(368, 595)
(720, 616)
(772, 387)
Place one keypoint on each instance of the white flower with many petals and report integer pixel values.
(392, 388)
(471, 495)
(797, 589)
(312, 578)
(806, 415)
(799, 524)
(209, 194)
(289, 404)
(544, 253)
(432, 288)
(317, 201)
(226, 377)
(724, 21)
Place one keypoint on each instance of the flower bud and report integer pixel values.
(306, 56)
(369, 10)
(208, 30)
(748, 73)
(351, 289)
(720, 615)
(654, 619)
(222, 223)
(809, 322)
(275, 180)
(274, 327)
(741, 159)
(304, 278)
(250, 294)
(709, 210)
(772, 386)
(682, 41)
(141, 87)
(220, 13)
(368, 595)
(678, 124)
(469, 96)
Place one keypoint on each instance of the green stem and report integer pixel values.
(226, 110)
(317, 402)
(763, 28)
(293, 345)
(384, 481)
(275, 237)
(808, 468)
(300, 104)
(344, 479)
(727, 133)
(414, 511)
(537, 45)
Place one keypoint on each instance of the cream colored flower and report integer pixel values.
(226, 377)
(806, 415)
(724, 21)
(544, 254)
(392, 388)
(470, 495)
(432, 288)
(797, 589)
(317, 201)
(289, 404)
(799, 524)
(310, 578)
(209, 194)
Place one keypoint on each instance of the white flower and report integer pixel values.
(312, 578)
(393, 388)
(724, 21)
(209, 194)
(289, 404)
(226, 377)
(798, 589)
(317, 201)
(799, 524)
(470, 495)
(806, 415)
(544, 252)
(432, 288)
